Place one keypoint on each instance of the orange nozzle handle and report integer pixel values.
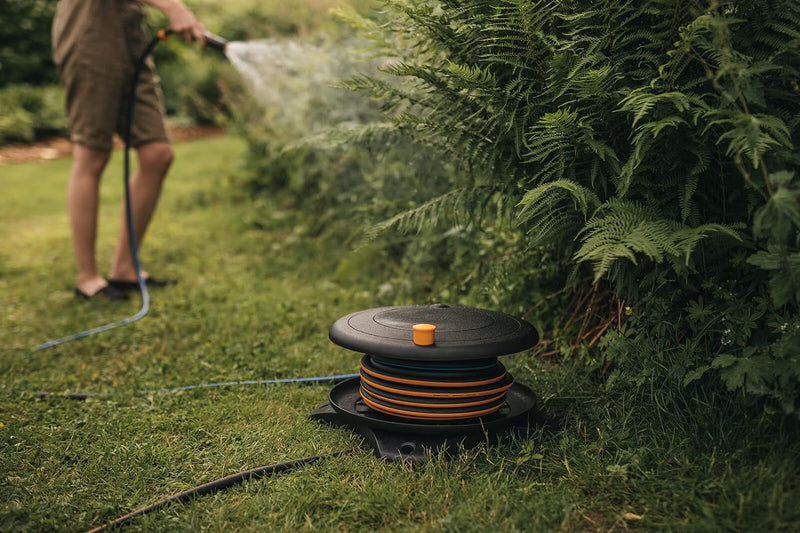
(164, 34)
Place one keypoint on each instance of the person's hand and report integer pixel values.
(183, 23)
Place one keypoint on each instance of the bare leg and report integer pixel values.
(154, 162)
(82, 202)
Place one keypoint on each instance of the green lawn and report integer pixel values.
(255, 299)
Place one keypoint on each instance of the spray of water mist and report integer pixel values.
(293, 81)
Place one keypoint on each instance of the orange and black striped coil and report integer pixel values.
(434, 390)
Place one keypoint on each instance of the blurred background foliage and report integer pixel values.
(31, 103)
(198, 86)
(25, 55)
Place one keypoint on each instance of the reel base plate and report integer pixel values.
(394, 439)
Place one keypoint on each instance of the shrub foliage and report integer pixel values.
(648, 143)
(31, 112)
(25, 55)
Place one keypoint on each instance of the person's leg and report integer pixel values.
(82, 203)
(145, 186)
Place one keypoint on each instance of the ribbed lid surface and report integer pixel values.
(462, 333)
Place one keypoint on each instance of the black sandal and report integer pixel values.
(152, 283)
(107, 292)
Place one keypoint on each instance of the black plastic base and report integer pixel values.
(394, 439)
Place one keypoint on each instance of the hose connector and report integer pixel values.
(214, 41)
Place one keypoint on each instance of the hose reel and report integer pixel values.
(429, 379)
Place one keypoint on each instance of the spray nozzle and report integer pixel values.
(215, 41)
(209, 39)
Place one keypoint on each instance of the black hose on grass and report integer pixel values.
(214, 486)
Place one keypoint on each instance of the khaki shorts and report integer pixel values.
(96, 44)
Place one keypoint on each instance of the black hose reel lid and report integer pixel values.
(462, 333)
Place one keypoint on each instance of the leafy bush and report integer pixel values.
(649, 142)
(25, 55)
(196, 83)
(31, 112)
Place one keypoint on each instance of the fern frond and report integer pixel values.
(546, 214)
(349, 133)
(472, 76)
(749, 135)
(689, 188)
(462, 204)
(584, 200)
(625, 230)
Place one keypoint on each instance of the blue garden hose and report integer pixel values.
(334, 379)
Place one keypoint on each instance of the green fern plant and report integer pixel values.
(646, 141)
